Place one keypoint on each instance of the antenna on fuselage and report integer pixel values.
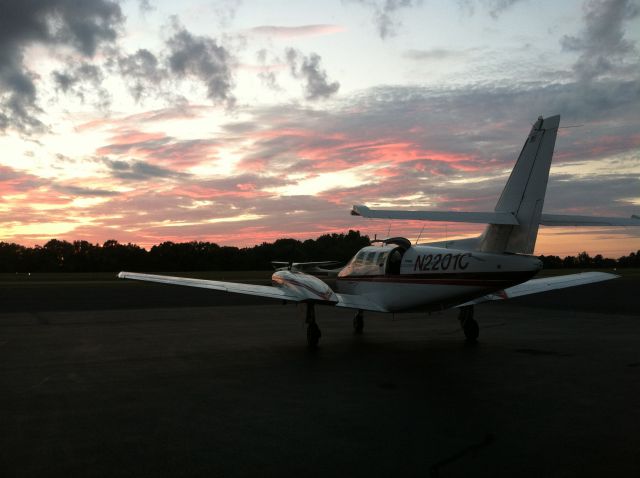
(419, 235)
(389, 230)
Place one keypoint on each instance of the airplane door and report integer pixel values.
(394, 261)
(381, 261)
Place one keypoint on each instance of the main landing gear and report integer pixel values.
(313, 331)
(469, 325)
(358, 322)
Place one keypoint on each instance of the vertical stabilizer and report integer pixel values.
(523, 196)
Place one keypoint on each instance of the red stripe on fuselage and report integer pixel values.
(490, 279)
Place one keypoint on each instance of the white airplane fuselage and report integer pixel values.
(394, 276)
(430, 278)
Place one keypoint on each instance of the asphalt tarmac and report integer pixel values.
(128, 379)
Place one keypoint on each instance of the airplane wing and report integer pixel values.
(270, 292)
(535, 286)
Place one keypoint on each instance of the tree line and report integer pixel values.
(111, 256)
(585, 261)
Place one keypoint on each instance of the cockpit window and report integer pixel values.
(359, 258)
(370, 258)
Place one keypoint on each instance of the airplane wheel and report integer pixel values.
(471, 330)
(358, 323)
(313, 334)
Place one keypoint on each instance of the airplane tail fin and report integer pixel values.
(513, 225)
(523, 196)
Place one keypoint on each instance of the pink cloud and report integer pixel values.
(407, 151)
(202, 192)
(177, 112)
(158, 148)
(296, 31)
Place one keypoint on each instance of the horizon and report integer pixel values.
(241, 122)
(301, 240)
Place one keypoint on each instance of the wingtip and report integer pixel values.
(357, 208)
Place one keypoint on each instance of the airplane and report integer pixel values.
(392, 275)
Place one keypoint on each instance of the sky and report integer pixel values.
(244, 121)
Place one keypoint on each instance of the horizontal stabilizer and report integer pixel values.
(505, 218)
(499, 218)
(564, 220)
(535, 286)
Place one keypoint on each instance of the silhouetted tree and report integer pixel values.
(551, 262)
(632, 260)
(111, 256)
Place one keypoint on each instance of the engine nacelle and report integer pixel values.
(305, 286)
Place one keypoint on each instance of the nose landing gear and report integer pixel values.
(313, 331)
(358, 322)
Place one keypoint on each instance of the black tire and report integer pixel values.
(358, 324)
(313, 335)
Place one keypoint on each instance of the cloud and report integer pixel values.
(225, 11)
(267, 74)
(141, 70)
(16, 182)
(82, 26)
(140, 170)
(145, 6)
(467, 129)
(494, 7)
(442, 149)
(296, 31)
(308, 68)
(614, 190)
(159, 148)
(498, 7)
(83, 80)
(185, 56)
(202, 58)
(384, 14)
(602, 44)
(82, 191)
(406, 146)
(132, 141)
(435, 54)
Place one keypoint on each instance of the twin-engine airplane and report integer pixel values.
(395, 276)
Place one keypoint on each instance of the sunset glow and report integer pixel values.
(242, 122)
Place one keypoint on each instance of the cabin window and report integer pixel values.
(382, 258)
